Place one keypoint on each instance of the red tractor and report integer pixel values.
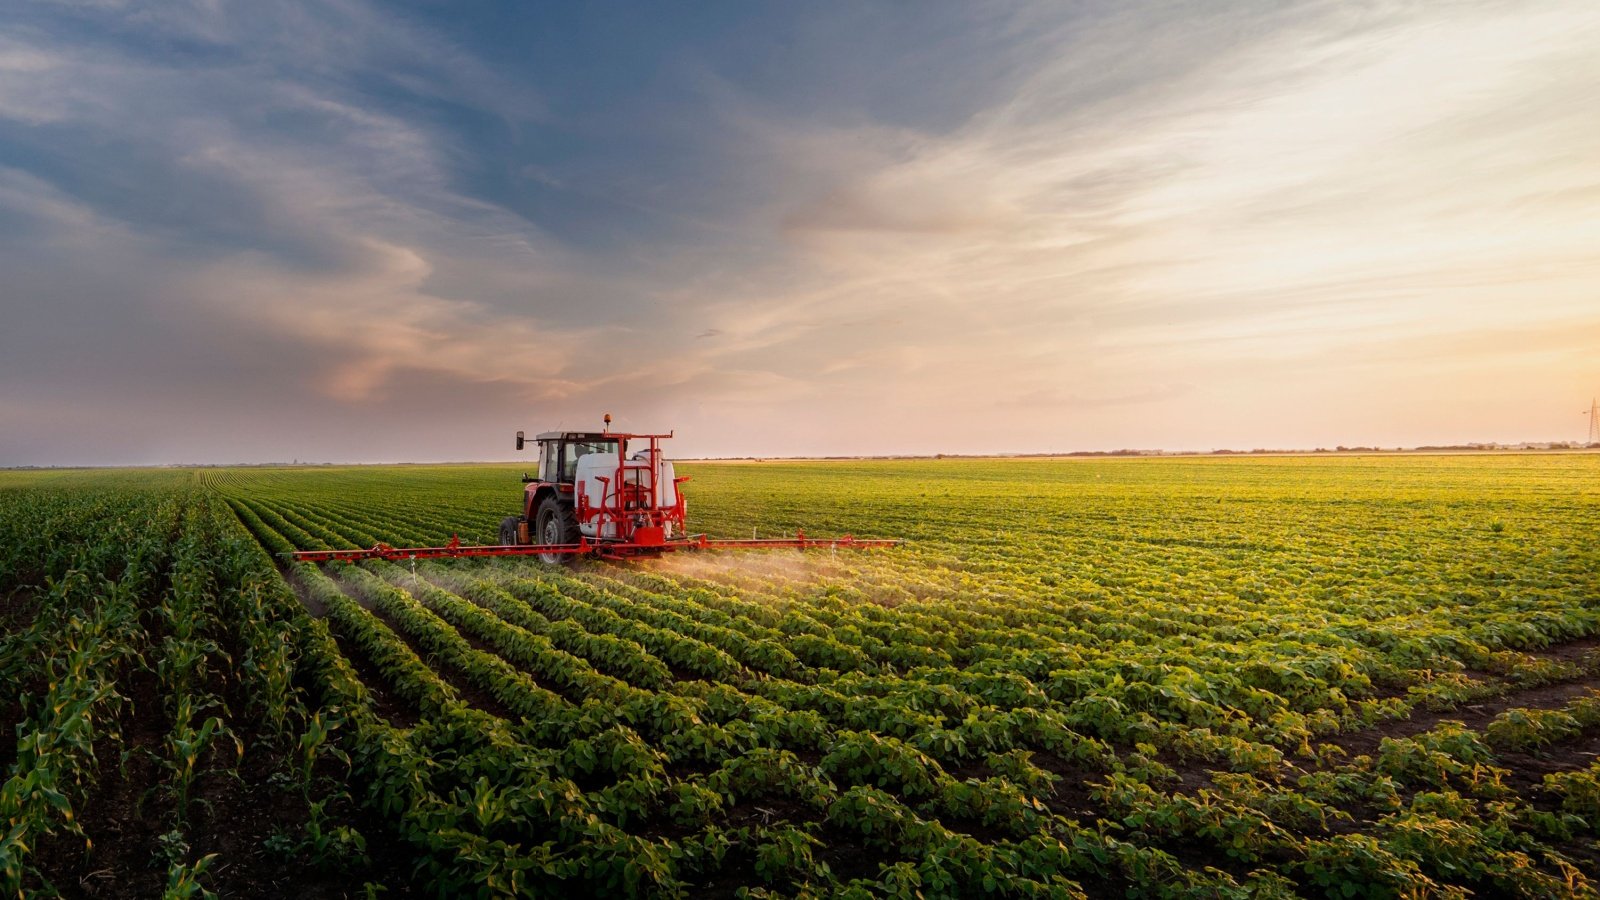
(590, 488)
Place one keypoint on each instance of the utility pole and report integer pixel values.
(1593, 413)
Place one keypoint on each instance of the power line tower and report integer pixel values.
(1593, 413)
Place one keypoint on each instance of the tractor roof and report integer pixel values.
(576, 436)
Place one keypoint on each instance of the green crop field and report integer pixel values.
(1273, 677)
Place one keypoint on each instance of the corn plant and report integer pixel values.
(183, 880)
(187, 745)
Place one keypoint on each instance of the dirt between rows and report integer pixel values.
(385, 703)
(1479, 713)
(388, 706)
(1475, 716)
(451, 675)
(1572, 651)
(19, 608)
(18, 611)
(315, 607)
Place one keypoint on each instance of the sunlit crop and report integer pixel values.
(1279, 677)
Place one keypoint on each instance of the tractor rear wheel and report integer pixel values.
(508, 530)
(557, 525)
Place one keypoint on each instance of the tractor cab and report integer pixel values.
(559, 452)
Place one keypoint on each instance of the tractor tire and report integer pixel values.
(558, 524)
(508, 530)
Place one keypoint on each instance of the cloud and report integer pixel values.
(378, 321)
(1125, 226)
(1307, 187)
(932, 195)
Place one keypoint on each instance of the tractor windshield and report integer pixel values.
(572, 450)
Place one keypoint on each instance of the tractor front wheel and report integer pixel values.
(557, 525)
(508, 530)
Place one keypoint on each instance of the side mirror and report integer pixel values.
(520, 441)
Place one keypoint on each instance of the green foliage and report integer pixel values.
(1579, 792)
(1530, 729)
(1078, 677)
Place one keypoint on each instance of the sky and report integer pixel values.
(352, 231)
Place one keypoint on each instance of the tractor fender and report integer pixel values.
(535, 494)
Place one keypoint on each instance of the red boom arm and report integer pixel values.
(603, 549)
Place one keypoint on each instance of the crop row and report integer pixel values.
(154, 653)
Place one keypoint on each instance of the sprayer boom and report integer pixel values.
(584, 547)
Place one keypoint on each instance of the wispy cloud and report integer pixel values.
(1127, 225)
(1387, 175)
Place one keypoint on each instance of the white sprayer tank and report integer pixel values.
(597, 493)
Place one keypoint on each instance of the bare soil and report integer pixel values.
(313, 606)
(1477, 714)
(451, 675)
(19, 608)
(18, 611)
(1473, 715)
(389, 705)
